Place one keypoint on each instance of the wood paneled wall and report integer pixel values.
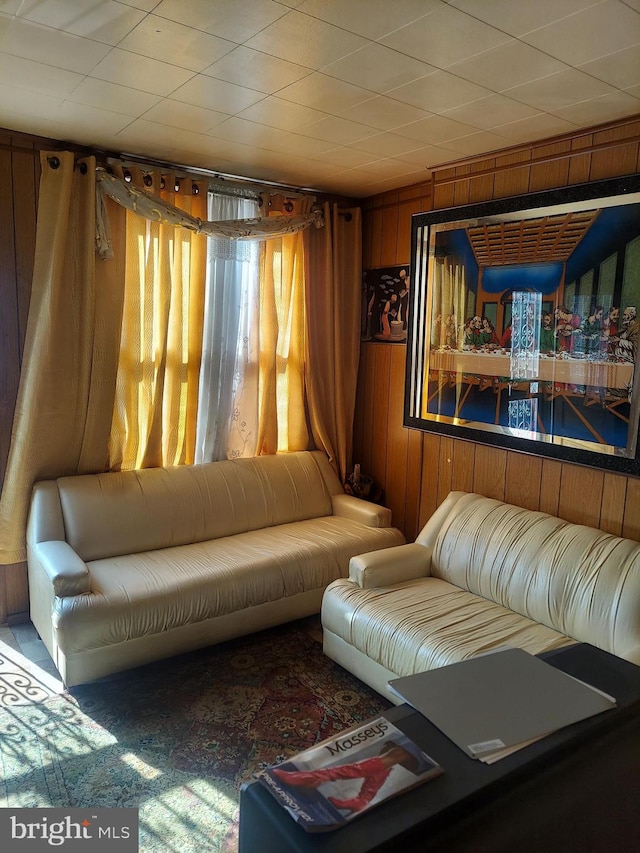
(417, 470)
(19, 181)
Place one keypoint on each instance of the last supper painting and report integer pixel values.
(525, 323)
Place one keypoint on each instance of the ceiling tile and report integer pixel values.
(101, 20)
(486, 113)
(444, 37)
(436, 129)
(597, 110)
(145, 5)
(597, 31)
(212, 94)
(274, 112)
(111, 96)
(185, 116)
(539, 126)
(378, 68)
(90, 125)
(148, 75)
(46, 79)
(28, 102)
(51, 47)
(347, 157)
(620, 69)
(383, 113)
(321, 92)
(429, 156)
(370, 18)
(158, 38)
(477, 143)
(305, 41)
(256, 70)
(141, 129)
(439, 91)
(236, 20)
(387, 167)
(338, 130)
(519, 18)
(270, 138)
(386, 144)
(558, 90)
(522, 62)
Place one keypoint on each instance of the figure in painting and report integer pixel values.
(488, 334)
(627, 344)
(611, 329)
(403, 296)
(590, 332)
(566, 324)
(547, 337)
(473, 332)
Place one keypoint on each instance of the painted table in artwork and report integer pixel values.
(598, 373)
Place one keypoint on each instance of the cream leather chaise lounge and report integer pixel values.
(127, 568)
(480, 575)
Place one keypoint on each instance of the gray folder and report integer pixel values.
(499, 700)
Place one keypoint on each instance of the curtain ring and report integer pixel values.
(54, 162)
(82, 167)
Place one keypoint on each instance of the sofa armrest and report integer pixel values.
(66, 572)
(390, 566)
(632, 655)
(357, 509)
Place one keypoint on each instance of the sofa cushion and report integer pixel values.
(577, 580)
(426, 623)
(133, 511)
(143, 594)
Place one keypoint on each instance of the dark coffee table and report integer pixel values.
(575, 791)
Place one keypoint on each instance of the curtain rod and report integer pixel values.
(232, 181)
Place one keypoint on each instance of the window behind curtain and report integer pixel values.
(228, 390)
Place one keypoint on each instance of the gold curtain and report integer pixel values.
(450, 304)
(282, 424)
(154, 422)
(334, 281)
(65, 398)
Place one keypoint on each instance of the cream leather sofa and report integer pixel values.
(126, 568)
(482, 574)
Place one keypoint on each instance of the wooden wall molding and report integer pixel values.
(620, 134)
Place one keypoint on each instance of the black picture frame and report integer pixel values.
(564, 386)
(385, 304)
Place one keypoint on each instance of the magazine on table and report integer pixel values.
(332, 783)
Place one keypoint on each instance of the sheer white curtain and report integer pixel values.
(228, 394)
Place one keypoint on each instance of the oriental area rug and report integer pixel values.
(176, 739)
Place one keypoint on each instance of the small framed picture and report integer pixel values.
(385, 304)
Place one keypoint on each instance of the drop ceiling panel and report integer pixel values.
(363, 95)
(235, 20)
(266, 73)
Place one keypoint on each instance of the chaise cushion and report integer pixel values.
(426, 623)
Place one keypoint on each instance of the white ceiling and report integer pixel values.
(353, 97)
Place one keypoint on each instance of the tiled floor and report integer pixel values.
(27, 673)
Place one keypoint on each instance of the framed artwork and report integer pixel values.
(385, 304)
(524, 323)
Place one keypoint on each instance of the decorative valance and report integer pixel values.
(151, 207)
